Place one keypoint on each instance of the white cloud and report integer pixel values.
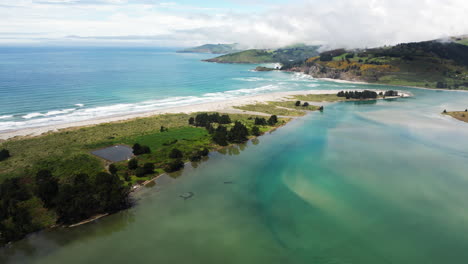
(338, 23)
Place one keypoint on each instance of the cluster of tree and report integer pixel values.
(176, 163)
(148, 168)
(298, 103)
(441, 85)
(140, 149)
(73, 200)
(260, 121)
(4, 154)
(15, 219)
(204, 119)
(391, 93)
(198, 155)
(237, 134)
(366, 94)
(451, 51)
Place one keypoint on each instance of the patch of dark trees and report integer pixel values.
(140, 149)
(74, 199)
(239, 133)
(4, 154)
(366, 94)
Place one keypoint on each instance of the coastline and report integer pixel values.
(225, 106)
(383, 84)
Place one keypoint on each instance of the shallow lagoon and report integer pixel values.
(358, 183)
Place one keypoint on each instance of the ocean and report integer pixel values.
(49, 86)
(361, 182)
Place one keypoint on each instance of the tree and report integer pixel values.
(4, 154)
(306, 104)
(256, 131)
(176, 154)
(132, 164)
(110, 192)
(46, 187)
(140, 150)
(113, 169)
(273, 120)
(260, 121)
(204, 152)
(140, 172)
(210, 128)
(238, 133)
(225, 119)
(163, 129)
(174, 165)
(149, 168)
(191, 121)
(220, 136)
(298, 103)
(75, 200)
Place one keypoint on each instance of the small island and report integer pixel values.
(459, 115)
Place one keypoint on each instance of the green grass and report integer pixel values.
(67, 152)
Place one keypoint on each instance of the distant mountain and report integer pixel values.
(431, 64)
(213, 49)
(283, 55)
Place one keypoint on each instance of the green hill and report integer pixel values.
(432, 64)
(213, 48)
(282, 55)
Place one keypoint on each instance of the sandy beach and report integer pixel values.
(225, 106)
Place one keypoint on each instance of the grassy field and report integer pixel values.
(67, 153)
(460, 115)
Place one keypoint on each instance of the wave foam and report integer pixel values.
(6, 116)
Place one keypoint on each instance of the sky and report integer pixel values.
(252, 23)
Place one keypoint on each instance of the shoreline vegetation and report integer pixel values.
(55, 178)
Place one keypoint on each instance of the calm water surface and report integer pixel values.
(362, 183)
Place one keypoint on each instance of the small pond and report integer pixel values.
(115, 153)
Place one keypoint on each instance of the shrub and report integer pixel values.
(191, 121)
(306, 104)
(4, 154)
(140, 172)
(273, 120)
(113, 169)
(225, 119)
(149, 168)
(260, 121)
(204, 152)
(46, 187)
(176, 154)
(220, 136)
(132, 164)
(298, 103)
(174, 165)
(256, 131)
(238, 133)
(140, 150)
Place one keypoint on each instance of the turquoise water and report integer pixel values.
(45, 86)
(362, 183)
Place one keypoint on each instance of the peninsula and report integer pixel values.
(85, 171)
